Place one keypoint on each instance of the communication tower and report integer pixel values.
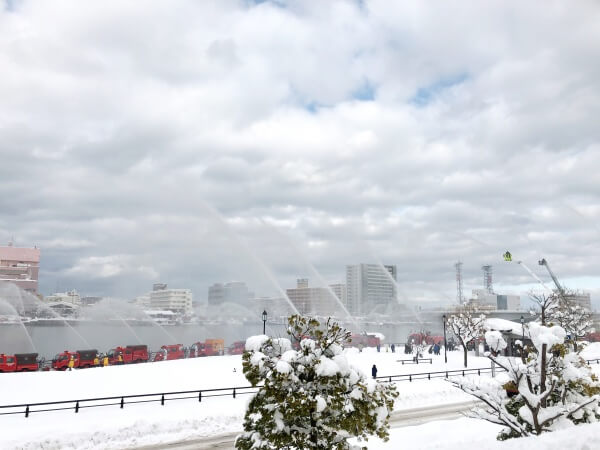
(459, 283)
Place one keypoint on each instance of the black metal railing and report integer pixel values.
(163, 397)
(439, 374)
(122, 400)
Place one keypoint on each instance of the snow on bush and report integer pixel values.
(311, 397)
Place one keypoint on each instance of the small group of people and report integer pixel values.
(408, 348)
(435, 348)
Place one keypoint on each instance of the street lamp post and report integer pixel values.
(445, 342)
(264, 319)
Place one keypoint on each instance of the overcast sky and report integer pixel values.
(192, 142)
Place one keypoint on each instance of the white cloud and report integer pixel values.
(121, 123)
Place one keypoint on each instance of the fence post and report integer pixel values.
(233, 392)
(446, 374)
(27, 411)
(390, 379)
(200, 396)
(479, 372)
(162, 400)
(76, 407)
(410, 378)
(429, 376)
(122, 402)
(463, 373)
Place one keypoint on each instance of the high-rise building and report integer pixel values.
(232, 292)
(20, 266)
(369, 286)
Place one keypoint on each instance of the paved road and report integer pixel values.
(402, 418)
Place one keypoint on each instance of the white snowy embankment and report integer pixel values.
(144, 424)
(463, 434)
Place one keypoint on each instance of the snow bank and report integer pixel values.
(591, 351)
(461, 434)
(146, 424)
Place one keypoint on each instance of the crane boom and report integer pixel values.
(543, 262)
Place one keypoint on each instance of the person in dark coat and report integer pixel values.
(374, 371)
(393, 348)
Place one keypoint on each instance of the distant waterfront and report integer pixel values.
(51, 337)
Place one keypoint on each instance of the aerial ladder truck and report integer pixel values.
(561, 290)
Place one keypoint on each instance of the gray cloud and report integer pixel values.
(323, 134)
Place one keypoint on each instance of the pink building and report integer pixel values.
(20, 266)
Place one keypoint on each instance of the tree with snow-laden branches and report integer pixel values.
(542, 391)
(573, 318)
(560, 308)
(466, 325)
(310, 397)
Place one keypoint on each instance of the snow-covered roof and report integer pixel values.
(381, 336)
(507, 326)
(156, 312)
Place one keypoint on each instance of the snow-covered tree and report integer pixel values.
(549, 387)
(311, 398)
(466, 325)
(573, 318)
(559, 308)
(546, 304)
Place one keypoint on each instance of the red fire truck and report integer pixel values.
(364, 340)
(128, 355)
(169, 352)
(20, 362)
(81, 359)
(211, 347)
(237, 348)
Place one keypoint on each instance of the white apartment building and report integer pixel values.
(369, 286)
(312, 300)
(176, 300)
(71, 297)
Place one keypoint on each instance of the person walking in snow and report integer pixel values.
(374, 371)
(393, 348)
(71, 362)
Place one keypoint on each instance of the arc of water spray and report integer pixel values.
(535, 277)
(250, 253)
(139, 341)
(313, 270)
(37, 303)
(21, 324)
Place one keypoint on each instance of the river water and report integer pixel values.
(50, 339)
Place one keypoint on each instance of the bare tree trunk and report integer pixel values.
(465, 349)
(314, 438)
(543, 374)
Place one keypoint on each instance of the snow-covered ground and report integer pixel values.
(151, 423)
(465, 434)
